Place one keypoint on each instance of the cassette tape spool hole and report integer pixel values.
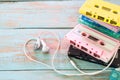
(90, 52)
(83, 48)
(84, 34)
(102, 43)
(101, 18)
(113, 22)
(88, 14)
(72, 42)
(115, 12)
(96, 55)
(96, 6)
(78, 45)
(107, 20)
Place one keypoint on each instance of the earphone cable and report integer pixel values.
(71, 61)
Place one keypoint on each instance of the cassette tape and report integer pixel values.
(115, 75)
(113, 28)
(102, 11)
(79, 54)
(92, 42)
(99, 23)
(93, 24)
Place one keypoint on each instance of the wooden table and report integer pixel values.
(20, 21)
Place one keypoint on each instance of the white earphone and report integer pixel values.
(40, 44)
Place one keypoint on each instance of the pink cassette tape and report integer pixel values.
(92, 42)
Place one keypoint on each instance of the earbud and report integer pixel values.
(37, 44)
(45, 48)
(40, 44)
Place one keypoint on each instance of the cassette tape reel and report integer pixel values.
(79, 54)
(94, 43)
(102, 11)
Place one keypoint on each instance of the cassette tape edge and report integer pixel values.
(92, 24)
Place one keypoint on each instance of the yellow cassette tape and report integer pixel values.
(102, 10)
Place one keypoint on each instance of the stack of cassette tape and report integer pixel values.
(97, 36)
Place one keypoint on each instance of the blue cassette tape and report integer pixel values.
(92, 24)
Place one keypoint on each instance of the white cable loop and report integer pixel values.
(71, 61)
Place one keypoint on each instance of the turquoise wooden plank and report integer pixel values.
(39, 14)
(44, 0)
(13, 58)
(46, 75)
(32, 0)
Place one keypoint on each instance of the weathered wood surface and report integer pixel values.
(45, 75)
(44, 14)
(47, 0)
(13, 58)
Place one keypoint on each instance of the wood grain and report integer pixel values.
(45, 75)
(40, 14)
(46, 14)
(13, 58)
